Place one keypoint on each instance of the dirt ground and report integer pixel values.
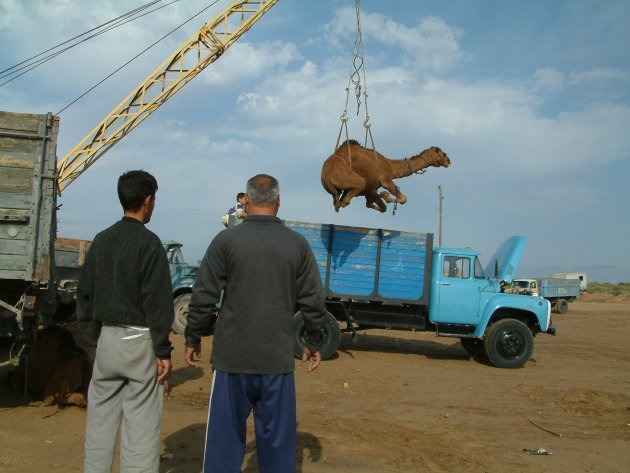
(400, 402)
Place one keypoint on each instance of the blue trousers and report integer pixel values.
(233, 397)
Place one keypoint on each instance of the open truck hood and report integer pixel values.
(506, 259)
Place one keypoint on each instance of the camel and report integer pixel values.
(353, 170)
(57, 369)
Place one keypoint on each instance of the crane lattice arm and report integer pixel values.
(201, 50)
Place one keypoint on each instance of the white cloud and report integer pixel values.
(598, 74)
(274, 106)
(246, 60)
(548, 79)
(430, 47)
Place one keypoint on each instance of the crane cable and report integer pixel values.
(357, 70)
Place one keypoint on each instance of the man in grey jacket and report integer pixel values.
(266, 270)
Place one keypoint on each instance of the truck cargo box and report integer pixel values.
(27, 198)
(368, 264)
(27, 214)
(555, 287)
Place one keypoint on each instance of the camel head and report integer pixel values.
(437, 157)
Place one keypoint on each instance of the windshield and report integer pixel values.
(478, 270)
(174, 254)
(523, 284)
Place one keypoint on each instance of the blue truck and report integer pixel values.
(559, 292)
(387, 279)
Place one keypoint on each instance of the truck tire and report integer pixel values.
(508, 343)
(181, 313)
(562, 306)
(332, 335)
(473, 346)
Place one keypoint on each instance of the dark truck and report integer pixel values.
(388, 279)
(27, 220)
(183, 276)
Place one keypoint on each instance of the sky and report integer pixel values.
(530, 100)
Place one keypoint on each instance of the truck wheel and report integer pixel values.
(181, 313)
(508, 343)
(473, 346)
(332, 335)
(562, 306)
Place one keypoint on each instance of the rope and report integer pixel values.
(357, 79)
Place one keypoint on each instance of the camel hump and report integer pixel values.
(352, 142)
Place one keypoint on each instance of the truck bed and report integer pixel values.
(370, 264)
(555, 287)
(27, 198)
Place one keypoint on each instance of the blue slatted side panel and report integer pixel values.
(559, 287)
(354, 255)
(317, 235)
(403, 264)
(353, 261)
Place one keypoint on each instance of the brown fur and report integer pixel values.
(59, 371)
(353, 170)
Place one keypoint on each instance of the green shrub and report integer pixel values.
(621, 289)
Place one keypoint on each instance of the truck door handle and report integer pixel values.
(442, 283)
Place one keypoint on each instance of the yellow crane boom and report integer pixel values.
(201, 50)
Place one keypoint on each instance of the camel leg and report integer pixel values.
(395, 191)
(336, 202)
(386, 196)
(343, 190)
(373, 201)
(349, 195)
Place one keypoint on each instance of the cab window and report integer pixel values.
(456, 267)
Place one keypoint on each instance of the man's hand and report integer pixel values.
(164, 368)
(312, 358)
(190, 356)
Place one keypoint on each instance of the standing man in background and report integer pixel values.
(238, 210)
(124, 302)
(265, 270)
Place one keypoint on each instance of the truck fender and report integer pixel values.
(533, 306)
(181, 285)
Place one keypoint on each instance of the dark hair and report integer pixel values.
(134, 187)
(263, 189)
(240, 195)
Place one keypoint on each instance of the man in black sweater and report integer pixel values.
(124, 302)
(266, 270)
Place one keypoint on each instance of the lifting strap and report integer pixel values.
(357, 70)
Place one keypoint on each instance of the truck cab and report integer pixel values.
(468, 302)
(524, 286)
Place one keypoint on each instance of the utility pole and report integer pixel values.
(440, 230)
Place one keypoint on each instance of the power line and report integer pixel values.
(135, 57)
(36, 61)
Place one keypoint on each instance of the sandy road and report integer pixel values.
(401, 402)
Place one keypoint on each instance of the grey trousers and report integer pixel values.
(124, 388)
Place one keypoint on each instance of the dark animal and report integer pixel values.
(56, 369)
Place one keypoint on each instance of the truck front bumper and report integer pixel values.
(551, 330)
